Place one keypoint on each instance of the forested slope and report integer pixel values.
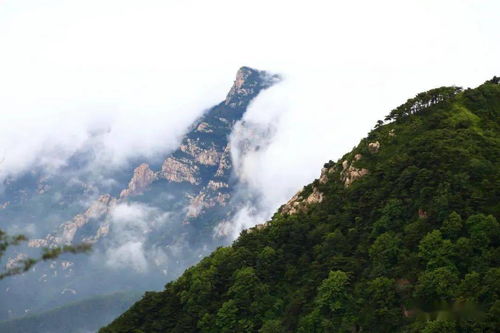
(400, 234)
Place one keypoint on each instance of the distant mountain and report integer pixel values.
(177, 205)
(399, 235)
(198, 174)
(79, 317)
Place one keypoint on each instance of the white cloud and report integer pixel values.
(130, 225)
(139, 72)
(128, 254)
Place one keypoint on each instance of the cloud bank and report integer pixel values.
(126, 78)
(130, 225)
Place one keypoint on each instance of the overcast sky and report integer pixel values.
(143, 70)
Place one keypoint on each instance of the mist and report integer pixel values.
(120, 81)
(125, 79)
(130, 76)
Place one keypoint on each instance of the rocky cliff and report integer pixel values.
(193, 186)
(202, 160)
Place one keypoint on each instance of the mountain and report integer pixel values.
(399, 235)
(146, 224)
(81, 317)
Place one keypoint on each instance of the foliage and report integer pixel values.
(411, 246)
(25, 264)
(423, 101)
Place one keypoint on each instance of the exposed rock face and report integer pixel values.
(14, 262)
(325, 174)
(142, 178)
(204, 200)
(41, 242)
(373, 147)
(99, 208)
(323, 178)
(208, 156)
(315, 197)
(259, 227)
(239, 87)
(300, 204)
(204, 127)
(179, 171)
(291, 206)
(248, 81)
(214, 186)
(225, 162)
(193, 185)
(195, 154)
(67, 231)
(350, 173)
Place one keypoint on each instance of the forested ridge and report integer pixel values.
(402, 237)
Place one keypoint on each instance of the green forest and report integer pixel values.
(403, 238)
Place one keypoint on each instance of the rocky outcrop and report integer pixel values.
(180, 170)
(67, 231)
(208, 156)
(214, 186)
(99, 208)
(14, 262)
(350, 173)
(259, 227)
(193, 184)
(186, 165)
(205, 200)
(315, 197)
(248, 82)
(373, 147)
(299, 203)
(291, 207)
(142, 178)
(204, 127)
(239, 87)
(326, 173)
(225, 163)
(39, 242)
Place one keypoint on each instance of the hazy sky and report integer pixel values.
(141, 71)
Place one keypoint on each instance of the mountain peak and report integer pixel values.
(248, 83)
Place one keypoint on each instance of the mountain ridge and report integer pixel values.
(193, 187)
(399, 235)
(178, 167)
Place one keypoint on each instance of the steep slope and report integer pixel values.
(400, 234)
(198, 171)
(177, 201)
